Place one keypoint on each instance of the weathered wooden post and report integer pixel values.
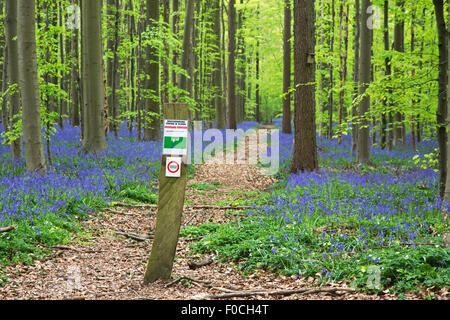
(172, 184)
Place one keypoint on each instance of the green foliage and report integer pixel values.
(428, 161)
(205, 186)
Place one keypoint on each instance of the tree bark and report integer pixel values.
(330, 97)
(286, 128)
(363, 153)
(217, 69)
(13, 72)
(305, 147)
(399, 41)
(232, 64)
(441, 113)
(355, 124)
(175, 27)
(29, 87)
(343, 47)
(152, 128)
(94, 140)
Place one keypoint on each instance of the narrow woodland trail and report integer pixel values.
(109, 261)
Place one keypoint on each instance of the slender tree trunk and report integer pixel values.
(343, 47)
(175, 26)
(165, 62)
(364, 79)
(13, 72)
(94, 140)
(413, 74)
(5, 125)
(231, 64)
(29, 87)
(187, 41)
(330, 101)
(387, 72)
(305, 147)
(75, 80)
(287, 68)
(258, 97)
(62, 80)
(152, 129)
(131, 31)
(224, 67)
(399, 47)
(441, 113)
(355, 124)
(217, 69)
(446, 196)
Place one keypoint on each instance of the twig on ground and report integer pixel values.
(198, 264)
(187, 222)
(186, 278)
(272, 292)
(134, 236)
(7, 229)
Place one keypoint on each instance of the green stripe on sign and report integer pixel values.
(175, 143)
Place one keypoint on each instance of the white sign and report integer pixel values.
(175, 139)
(173, 167)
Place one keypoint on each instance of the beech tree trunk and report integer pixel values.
(13, 72)
(287, 68)
(399, 44)
(29, 87)
(152, 128)
(94, 140)
(363, 152)
(217, 69)
(441, 113)
(232, 64)
(305, 147)
(355, 124)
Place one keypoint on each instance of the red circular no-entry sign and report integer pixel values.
(174, 165)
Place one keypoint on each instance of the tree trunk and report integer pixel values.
(363, 155)
(75, 81)
(305, 147)
(152, 129)
(399, 47)
(232, 64)
(287, 68)
(257, 93)
(92, 74)
(441, 113)
(115, 78)
(343, 47)
(330, 97)
(13, 72)
(29, 87)
(187, 44)
(355, 124)
(217, 69)
(175, 26)
(387, 139)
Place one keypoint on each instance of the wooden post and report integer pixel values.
(170, 208)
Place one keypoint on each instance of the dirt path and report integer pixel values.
(106, 265)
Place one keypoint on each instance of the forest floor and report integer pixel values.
(105, 262)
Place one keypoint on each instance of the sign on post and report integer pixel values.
(172, 185)
(175, 137)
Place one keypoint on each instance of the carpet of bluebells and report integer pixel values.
(47, 208)
(377, 226)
